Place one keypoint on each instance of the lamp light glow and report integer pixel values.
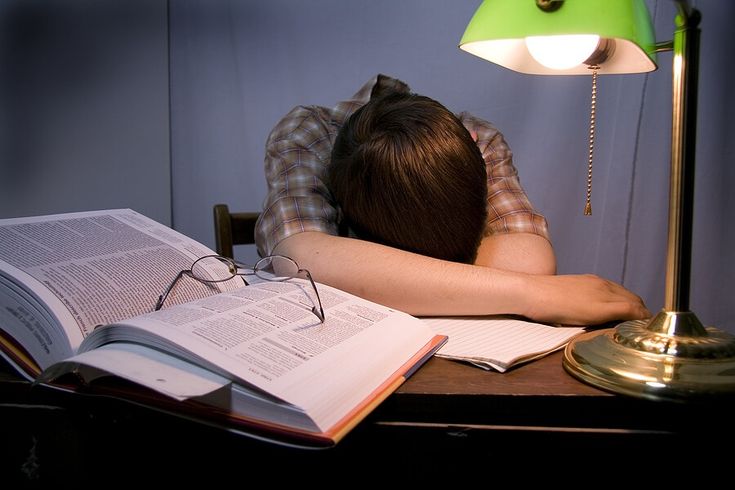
(562, 52)
(626, 22)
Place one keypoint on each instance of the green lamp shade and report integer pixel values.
(500, 29)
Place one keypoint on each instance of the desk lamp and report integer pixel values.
(671, 356)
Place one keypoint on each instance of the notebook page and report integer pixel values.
(498, 341)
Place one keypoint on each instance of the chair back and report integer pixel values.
(232, 229)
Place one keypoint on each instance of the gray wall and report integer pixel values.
(84, 106)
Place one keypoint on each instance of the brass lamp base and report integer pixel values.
(671, 357)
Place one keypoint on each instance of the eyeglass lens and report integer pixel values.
(276, 268)
(280, 268)
(213, 268)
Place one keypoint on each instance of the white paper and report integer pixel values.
(498, 342)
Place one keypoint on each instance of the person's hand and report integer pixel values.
(580, 300)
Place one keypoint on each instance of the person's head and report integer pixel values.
(406, 173)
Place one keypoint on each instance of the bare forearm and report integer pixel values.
(425, 286)
(413, 283)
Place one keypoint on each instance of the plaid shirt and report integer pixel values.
(299, 149)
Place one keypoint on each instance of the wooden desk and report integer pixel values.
(541, 403)
(460, 417)
(539, 396)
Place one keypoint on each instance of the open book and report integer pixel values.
(499, 342)
(77, 293)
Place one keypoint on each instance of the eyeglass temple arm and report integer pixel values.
(165, 294)
(317, 310)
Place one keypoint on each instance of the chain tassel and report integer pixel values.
(593, 107)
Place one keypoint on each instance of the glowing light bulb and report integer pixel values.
(562, 52)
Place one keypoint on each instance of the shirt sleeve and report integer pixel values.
(297, 153)
(509, 209)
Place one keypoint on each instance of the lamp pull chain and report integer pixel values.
(593, 106)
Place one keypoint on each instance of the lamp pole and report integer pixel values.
(676, 318)
(683, 138)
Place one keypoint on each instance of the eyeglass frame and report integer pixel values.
(234, 267)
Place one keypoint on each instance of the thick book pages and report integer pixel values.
(62, 275)
(499, 342)
(280, 364)
(254, 359)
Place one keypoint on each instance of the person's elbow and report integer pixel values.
(518, 252)
(542, 264)
(303, 246)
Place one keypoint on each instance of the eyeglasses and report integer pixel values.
(216, 268)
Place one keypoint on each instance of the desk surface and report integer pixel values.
(447, 411)
(543, 377)
(538, 396)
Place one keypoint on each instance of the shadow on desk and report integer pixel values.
(449, 419)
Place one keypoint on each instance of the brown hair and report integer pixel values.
(407, 173)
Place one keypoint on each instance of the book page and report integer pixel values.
(150, 368)
(265, 336)
(498, 342)
(98, 267)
